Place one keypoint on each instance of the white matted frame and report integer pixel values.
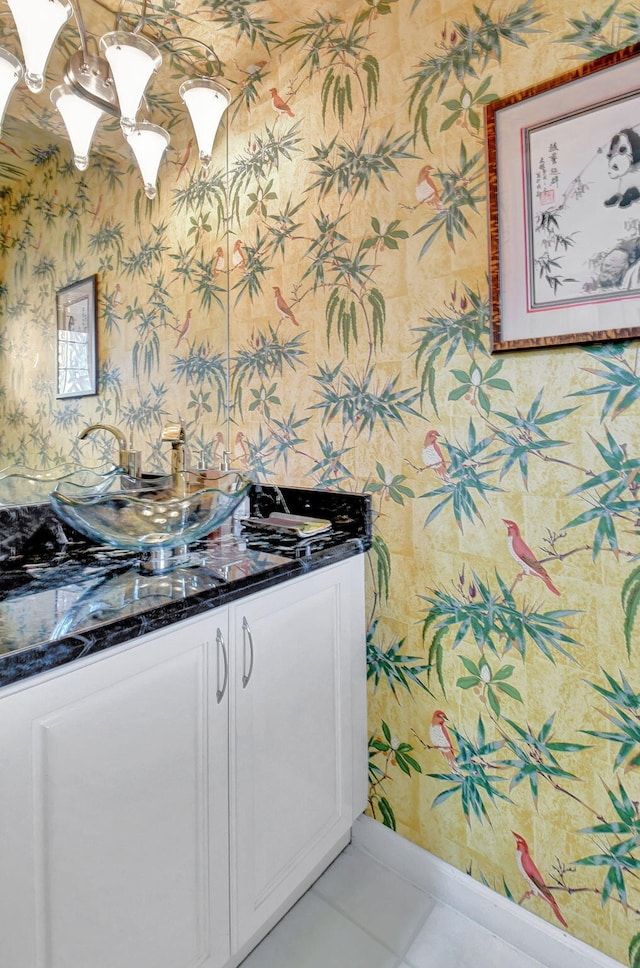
(564, 207)
(76, 353)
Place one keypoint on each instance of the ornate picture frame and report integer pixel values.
(76, 350)
(564, 207)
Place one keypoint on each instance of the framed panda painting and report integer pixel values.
(564, 207)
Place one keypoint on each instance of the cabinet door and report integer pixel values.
(114, 841)
(290, 741)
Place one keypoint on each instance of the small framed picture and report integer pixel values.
(564, 207)
(76, 371)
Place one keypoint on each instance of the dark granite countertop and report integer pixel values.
(62, 597)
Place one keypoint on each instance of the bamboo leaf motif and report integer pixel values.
(465, 322)
(472, 779)
(467, 480)
(342, 311)
(200, 368)
(588, 32)
(625, 704)
(605, 494)
(372, 70)
(621, 382)
(341, 168)
(630, 596)
(378, 306)
(620, 858)
(492, 620)
(460, 193)
(534, 756)
(237, 16)
(329, 470)
(393, 666)
(380, 551)
(360, 404)
(266, 355)
(203, 195)
(467, 55)
(395, 753)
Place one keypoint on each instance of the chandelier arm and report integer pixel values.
(82, 30)
(192, 40)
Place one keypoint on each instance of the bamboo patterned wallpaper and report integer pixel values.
(503, 638)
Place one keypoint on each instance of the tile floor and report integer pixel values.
(359, 914)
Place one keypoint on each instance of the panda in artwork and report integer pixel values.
(623, 162)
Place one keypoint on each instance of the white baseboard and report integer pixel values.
(514, 924)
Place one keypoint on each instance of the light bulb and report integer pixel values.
(206, 101)
(148, 143)
(10, 74)
(132, 59)
(38, 23)
(80, 118)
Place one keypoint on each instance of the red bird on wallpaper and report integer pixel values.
(184, 161)
(432, 456)
(533, 877)
(426, 188)
(282, 307)
(218, 262)
(184, 329)
(522, 553)
(280, 106)
(441, 740)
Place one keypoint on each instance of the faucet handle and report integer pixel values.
(173, 432)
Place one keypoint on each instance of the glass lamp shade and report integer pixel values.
(206, 101)
(38, 23)
(10, 74)
(148, 143)
(80, 118)
(132, 59)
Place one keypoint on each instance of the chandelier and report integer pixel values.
(110, 82)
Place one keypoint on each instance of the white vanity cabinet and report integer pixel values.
(163, 802)
(113, 799)
(297, 718)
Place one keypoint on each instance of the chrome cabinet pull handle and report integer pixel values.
(221, 646)
(246, 634)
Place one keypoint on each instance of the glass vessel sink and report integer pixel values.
(147, 518)
(27, 485)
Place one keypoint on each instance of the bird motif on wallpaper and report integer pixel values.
(433, 457)
(10, 148)
(251, 71)
(533, 877)
(117, 297)
(427, 190)
(184, 329)
(238, 260)
(218, 262)
(279, 106)
(441, 740)
(241, 449)
(524, 556)
(218, 448)
(96, 211)
(186, 158)
(283, 309)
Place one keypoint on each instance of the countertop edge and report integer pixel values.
(26, 663)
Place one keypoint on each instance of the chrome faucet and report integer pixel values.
(174, 434)
(128, 458)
